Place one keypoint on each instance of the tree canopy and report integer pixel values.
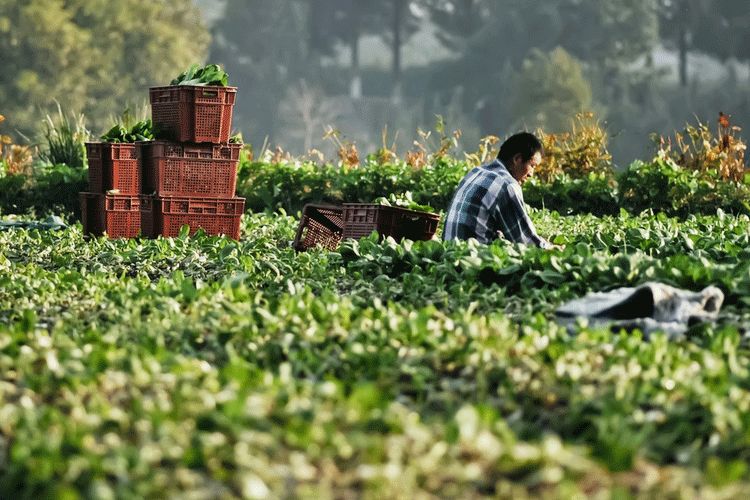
(550, 90)
(93, 56)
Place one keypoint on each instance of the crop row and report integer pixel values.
(151, 368)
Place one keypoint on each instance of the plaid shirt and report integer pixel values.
(488, 204)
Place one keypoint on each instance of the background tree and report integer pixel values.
(337, 23)
(304, 112)
(609, 34)
(402, 16)
(719, 28)
(606, 38)
(457, 20)
(726, 33)
(400, 19)
(611, 41)
(264, 45)
(40, 44)
(492, 53)
(678, 20)
(92, 56)
(550, 91)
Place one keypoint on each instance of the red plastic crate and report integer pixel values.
(113, 166)
(119, 216)
(189, 170)
(214, 216)
(186, 113)
(361, 219)
(320, 225)
(147, 216)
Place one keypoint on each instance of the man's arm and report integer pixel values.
(516, 225)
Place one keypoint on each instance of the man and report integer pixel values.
(488, 203)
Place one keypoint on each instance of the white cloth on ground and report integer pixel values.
(649, 307)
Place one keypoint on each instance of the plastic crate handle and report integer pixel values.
(222, 152)
(127, 205)
(197, 153)
(210, 93)
(122, 152)
(93, 150)
(202, 206)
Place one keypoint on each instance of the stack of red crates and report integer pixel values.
(113, 202)
(185, 177)
(191, 169)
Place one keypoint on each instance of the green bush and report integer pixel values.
(664, 186)
(435, 183)
(660, 186)
(12, 190)
(289, 186)
(595, 194)
(52, 191)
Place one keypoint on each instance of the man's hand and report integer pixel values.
(549, 246)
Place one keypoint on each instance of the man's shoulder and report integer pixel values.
(500, 184)
(489, 174)
(487, 187)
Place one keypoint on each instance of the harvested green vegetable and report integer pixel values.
(404, 200)
(211, 74)
(141, 131)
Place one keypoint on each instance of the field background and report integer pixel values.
(203, 367)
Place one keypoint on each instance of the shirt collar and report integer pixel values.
(499, 165)
(496, 164)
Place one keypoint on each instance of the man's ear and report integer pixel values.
(517, 159)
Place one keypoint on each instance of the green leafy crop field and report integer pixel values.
(208, 368)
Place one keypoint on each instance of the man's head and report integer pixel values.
(520, 153)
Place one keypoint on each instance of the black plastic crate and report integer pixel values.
(361, 219)
(320, 226)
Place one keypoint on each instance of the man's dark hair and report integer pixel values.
(524, 142)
